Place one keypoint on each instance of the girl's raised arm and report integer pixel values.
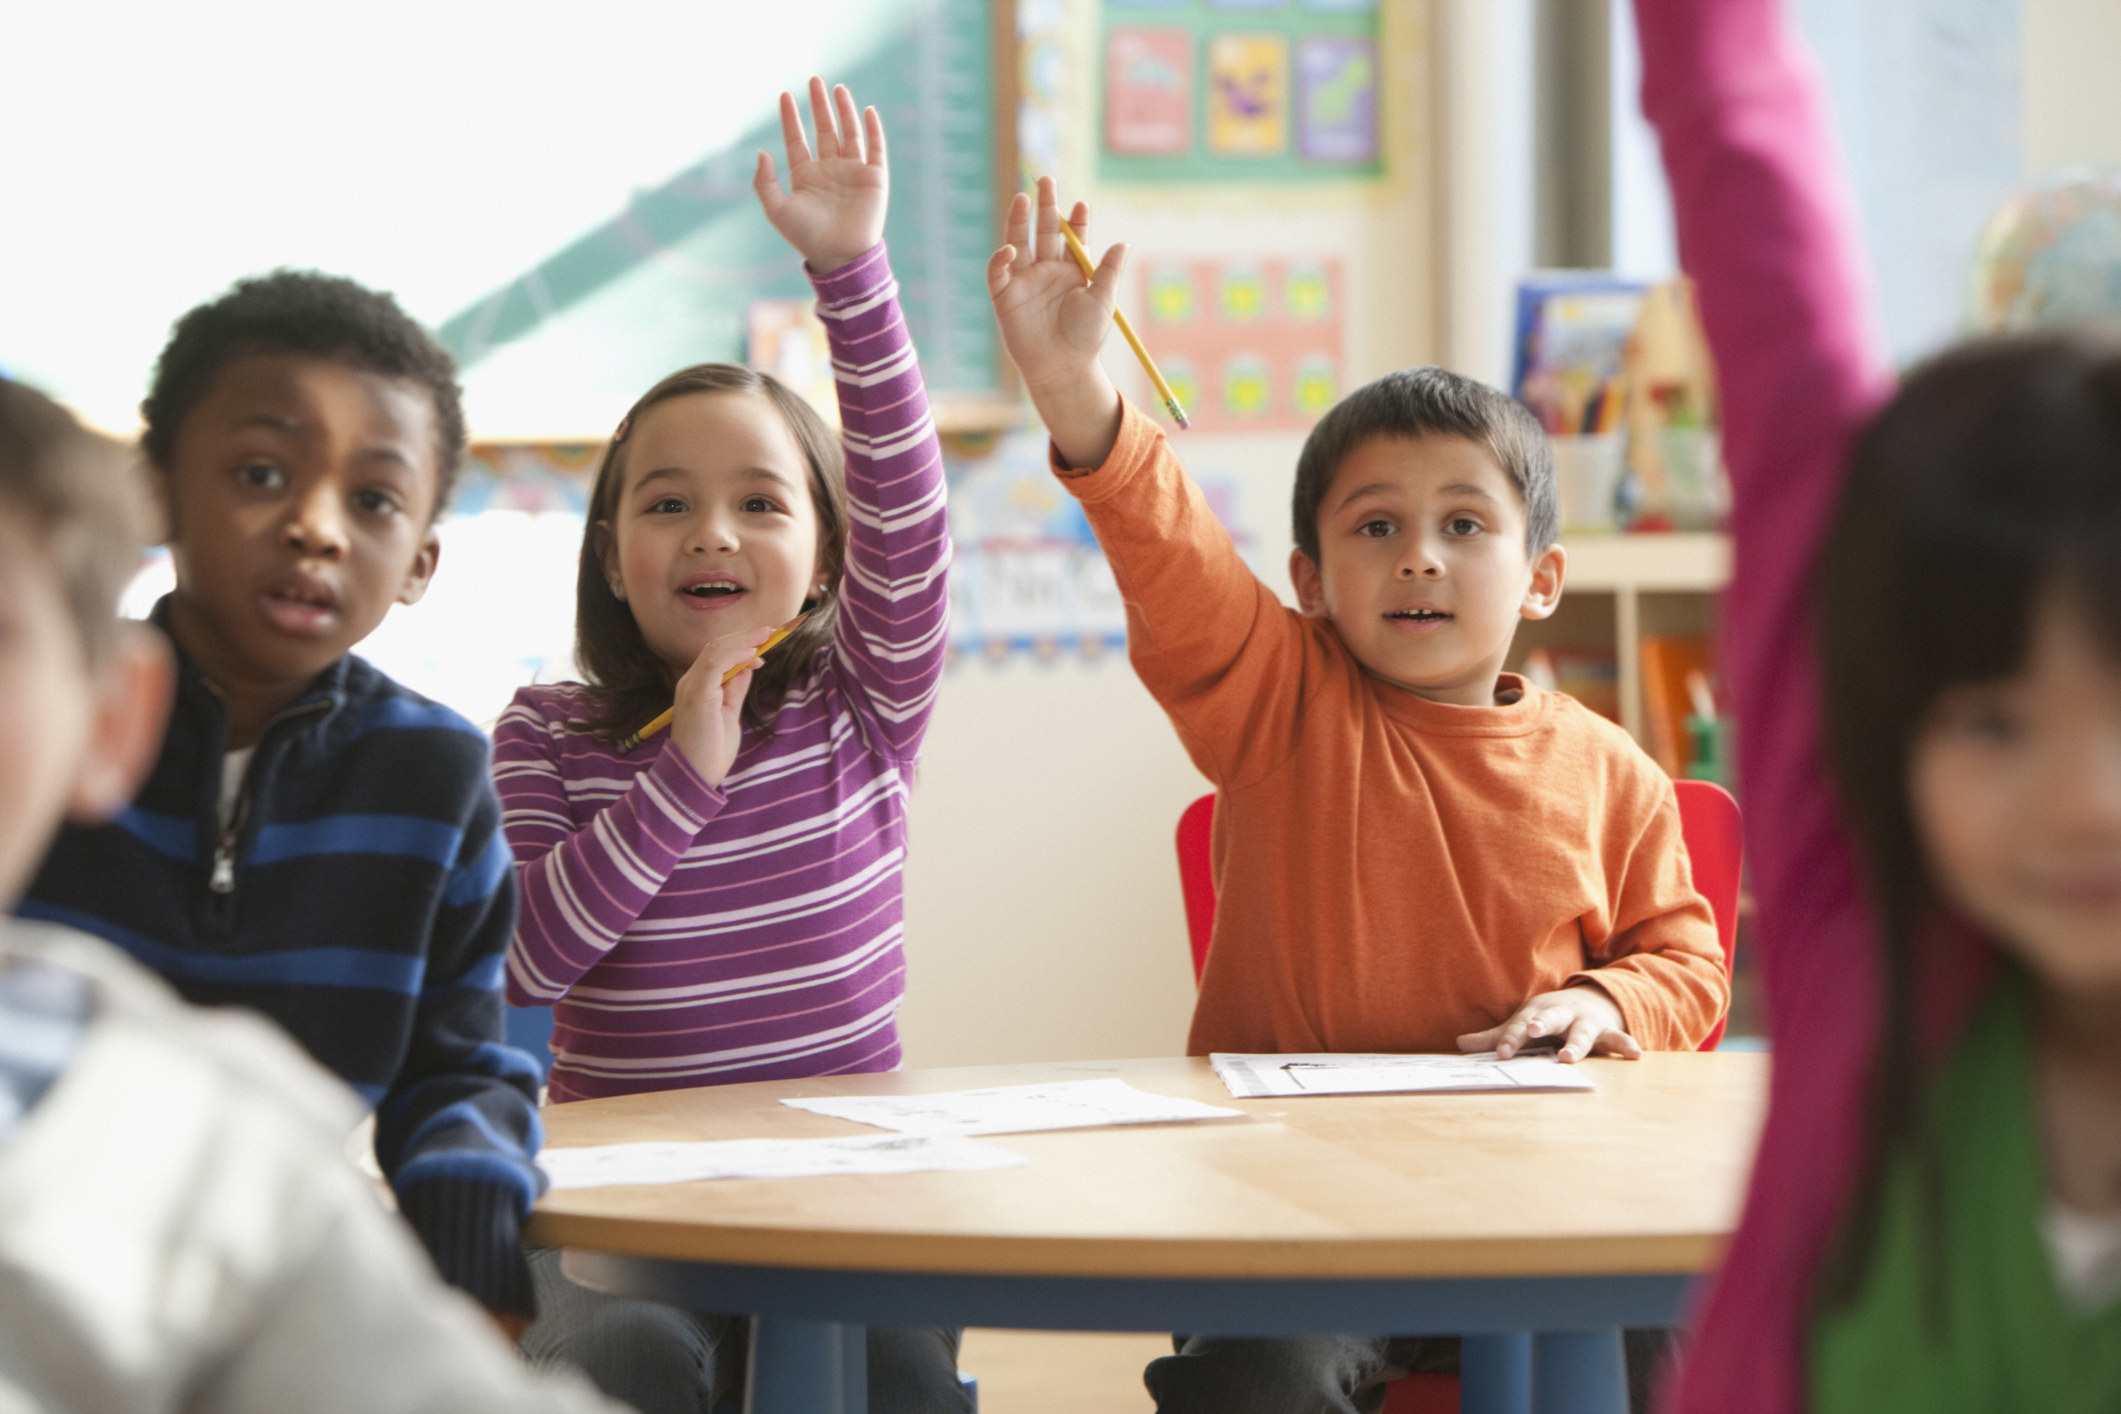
(1767, 232)
(894, 599)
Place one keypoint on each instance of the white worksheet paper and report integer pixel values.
(1257, 1077)
(1015, 1109)
(611, 1165)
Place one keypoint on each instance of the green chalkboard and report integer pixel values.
(666, 281)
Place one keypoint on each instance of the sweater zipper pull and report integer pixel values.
(224, 878)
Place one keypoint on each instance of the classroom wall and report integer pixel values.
(2072, 105)
(1043, 911)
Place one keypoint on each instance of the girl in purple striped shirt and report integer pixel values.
(724, 901)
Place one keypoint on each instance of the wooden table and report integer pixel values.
(1534, 1225)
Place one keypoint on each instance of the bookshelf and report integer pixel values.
(1621, 588)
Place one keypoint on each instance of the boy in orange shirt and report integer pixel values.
(1413, 850)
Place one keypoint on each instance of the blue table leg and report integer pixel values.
(1579, 1372)
(807, 1367)
(1495, 1374)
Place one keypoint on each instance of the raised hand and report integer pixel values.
(834, 208)
(1054, 324)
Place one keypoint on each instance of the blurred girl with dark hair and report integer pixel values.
(1924, 640)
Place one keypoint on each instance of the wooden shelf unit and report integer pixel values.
(1620, 588)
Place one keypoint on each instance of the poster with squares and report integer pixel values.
(1249, 345)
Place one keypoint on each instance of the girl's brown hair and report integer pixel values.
(630, 684)
(1993, 478)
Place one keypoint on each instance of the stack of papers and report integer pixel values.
(610, 1165)
(1256, 1077)
(1015, 1109)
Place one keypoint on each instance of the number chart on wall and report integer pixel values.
(1240, 90)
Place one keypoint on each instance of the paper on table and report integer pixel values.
(1015, 1109)
(610, 1165)
(1254, 1077)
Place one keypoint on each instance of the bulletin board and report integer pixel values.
(668, 281)
(1239, 90)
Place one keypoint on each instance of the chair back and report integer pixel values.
(1195, 827)
(1708, 820)
(1715, 844)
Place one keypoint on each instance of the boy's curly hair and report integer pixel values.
(302, 311)
(83, 494)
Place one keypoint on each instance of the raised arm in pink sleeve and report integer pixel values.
(1767, 232)
(581, 887)
(894, 597)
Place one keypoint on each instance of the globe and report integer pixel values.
(2051, 255)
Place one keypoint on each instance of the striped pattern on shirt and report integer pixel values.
(689, 935)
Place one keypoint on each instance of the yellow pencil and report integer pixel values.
(663, 720)
(1082, 258)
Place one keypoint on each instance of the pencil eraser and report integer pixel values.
(1182, 423)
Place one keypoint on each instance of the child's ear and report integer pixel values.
(1543, 595)
(422, 572)
(132, 690)
(608, 556)
(1310, 584)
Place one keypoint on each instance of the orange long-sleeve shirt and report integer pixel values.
(1391, 872)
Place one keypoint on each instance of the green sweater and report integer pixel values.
(2001, 1336)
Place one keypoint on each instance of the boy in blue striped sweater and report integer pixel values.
(317, 842)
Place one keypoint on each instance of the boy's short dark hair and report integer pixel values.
(301, 311)
(83, 492)
(1431, 402)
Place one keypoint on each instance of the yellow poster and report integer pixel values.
(1248, 94)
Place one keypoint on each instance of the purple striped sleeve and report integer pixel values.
(581, 886)
(890, 639)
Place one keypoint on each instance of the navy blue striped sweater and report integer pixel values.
(364, 899)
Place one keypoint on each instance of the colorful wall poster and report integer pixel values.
(1248, 345)
(1248, 94)
(1241, 90)
(785, 337)
(1026, 574)
(1336, 97)
(1149, 91)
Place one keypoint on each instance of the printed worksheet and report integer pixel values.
(611, 1165)
(1256, 1077)
(1015, 1109)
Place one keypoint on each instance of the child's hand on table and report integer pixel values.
(707, 721)
(834, 210)
(1053, 325)
(1585, 1018)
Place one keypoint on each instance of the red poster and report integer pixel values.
(1249, 345)
(1148, 92)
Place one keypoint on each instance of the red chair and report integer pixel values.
(1715, 843)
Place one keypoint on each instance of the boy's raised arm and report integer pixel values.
(1210, 641)
(1054, 325)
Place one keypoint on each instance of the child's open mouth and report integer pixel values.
(710, 593)
(301, 605)
(1420, 618)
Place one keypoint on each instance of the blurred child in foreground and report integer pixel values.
(1924, 642)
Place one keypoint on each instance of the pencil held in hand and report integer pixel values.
(1163, 389)
(664, 718)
